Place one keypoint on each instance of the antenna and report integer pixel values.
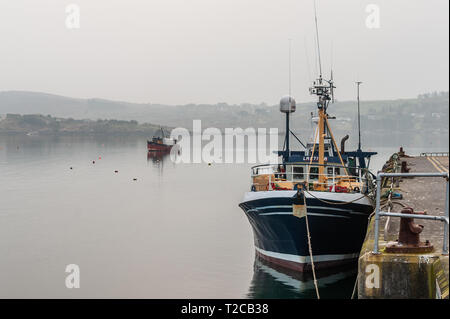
(307, 60)
(290, 65)
(317, 37)
(324, 89)
(331, 55)
(358, 83)
(331, 75)
(332, 86)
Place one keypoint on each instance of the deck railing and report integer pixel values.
(360, 180)
(379, 213)
(432, 154)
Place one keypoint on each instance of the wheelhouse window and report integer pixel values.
(336, 171)
(299, 173)
(330, 171)
(314, 173)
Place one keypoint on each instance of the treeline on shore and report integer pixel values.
(46, 124)
(21, 112)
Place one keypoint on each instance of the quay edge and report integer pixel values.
(408, 275)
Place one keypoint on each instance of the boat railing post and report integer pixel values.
(377, 215)
(307, 176)
(360, 178)
(334, 180)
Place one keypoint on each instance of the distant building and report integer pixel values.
(373, 117)
(437, 115)
(13, 116)
(418, 116)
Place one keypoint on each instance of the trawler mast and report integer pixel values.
(325, 92)
(304, 195)
(323, 89)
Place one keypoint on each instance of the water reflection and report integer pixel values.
(156, 237)
(272, 281)
(158, 157)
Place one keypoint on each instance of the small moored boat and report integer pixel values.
(161, 143)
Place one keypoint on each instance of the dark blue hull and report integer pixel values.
(337, 229)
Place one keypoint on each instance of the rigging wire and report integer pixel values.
(290, 66)
(297, 139)
(317, 40)
(307, 60)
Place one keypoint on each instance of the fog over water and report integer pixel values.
(234, 51)
(175, 232)
(78, 186)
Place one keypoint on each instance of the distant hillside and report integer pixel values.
(424, 115)
(40, 124)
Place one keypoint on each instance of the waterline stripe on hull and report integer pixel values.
(306, 259)
(311, 207)
(362, 214)
(309, 214)
(329, 196)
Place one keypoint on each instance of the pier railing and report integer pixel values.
(352, 179)
(432, 154)
(379, 213)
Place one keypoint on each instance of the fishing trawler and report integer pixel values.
(321, 193)
(161, 143)
(310, 210)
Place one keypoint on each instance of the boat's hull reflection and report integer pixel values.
(272, 281)
(157, 157)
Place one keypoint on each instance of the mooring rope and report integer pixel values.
(335, 203)
(309, 238)
(311, 256)
(354, 288)
(356, 281)
(390, 205)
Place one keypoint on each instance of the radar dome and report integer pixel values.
(287, 104)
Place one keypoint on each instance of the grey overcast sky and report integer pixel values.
(209, 51)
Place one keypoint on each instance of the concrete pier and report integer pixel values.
(408, 275)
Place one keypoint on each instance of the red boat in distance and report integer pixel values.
(161, 144)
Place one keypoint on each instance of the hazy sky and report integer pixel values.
(208, 51)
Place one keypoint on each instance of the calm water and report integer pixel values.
(175, 232)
